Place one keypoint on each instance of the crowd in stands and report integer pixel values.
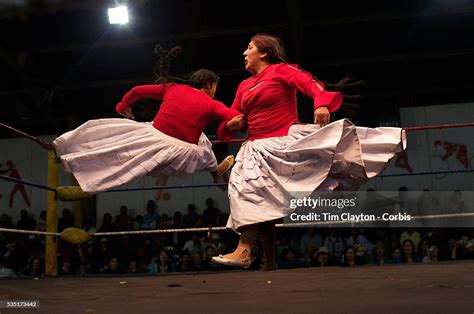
(23, 255)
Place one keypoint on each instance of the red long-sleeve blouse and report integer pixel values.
(184, 112)
(269, 100)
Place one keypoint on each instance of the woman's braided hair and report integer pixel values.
(163, 64)
(275, 50)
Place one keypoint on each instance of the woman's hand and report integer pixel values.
(321, 116)
(236, 123)
(127, 113)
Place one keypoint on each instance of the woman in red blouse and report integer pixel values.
(105, 153)
(283, 156)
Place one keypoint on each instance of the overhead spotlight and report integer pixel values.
(118, 15)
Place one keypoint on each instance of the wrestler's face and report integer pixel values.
(253, 58)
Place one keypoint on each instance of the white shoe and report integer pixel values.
(243, 263)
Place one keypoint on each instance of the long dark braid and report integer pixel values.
(145, 109)
(274, 48)
(348, 87)
(163, 64)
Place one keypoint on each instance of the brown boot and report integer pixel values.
(224, 166)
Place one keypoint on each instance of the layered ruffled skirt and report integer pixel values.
(106, 153)
(339, 156)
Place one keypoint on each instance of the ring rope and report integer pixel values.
(225, 184)
(421, 173)
(211, 229)
(43, 144)
(171, 187)
(45, 187)
(409, 129)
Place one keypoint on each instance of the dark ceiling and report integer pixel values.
(62, 63)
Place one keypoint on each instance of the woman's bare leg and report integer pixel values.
(268, 235)
(160, 181)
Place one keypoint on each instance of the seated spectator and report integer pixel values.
(5, 222)
(107, 224)
(145, 250)
(179, 238)
(113, 267)
(185, 263)
(432, 236)
(101, 255)
(137, 223)
(408, 253)
(125, 251)
(462, 249)
(380, 257)
(41, 222)
(360, 244)
(412, 235)
(5, 269)
(217, 244)
(334, 245)
(177, 220)
(210, 214)
(193, 245)
(397, 256)
(200, 224)
(66, 221)
(288, 260)
(207, 263)
(15, 255)
(151, 219)
(26, 222)
(282, 244)
(88, 226)
(433, 255)
(309, 242)
(198, 260)
(295, 245)
(66, 269)
(392, 242)
(84, 252)
(153, 266)
(189, 220)
(32, 244)
(123, 221)
(423, 250)
(83, 269)
(350, 259)
(35, 268)
(165, 222)
(162, 264)
(133, 267)
(320, 258)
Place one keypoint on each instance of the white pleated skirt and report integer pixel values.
(105, 153)
(339, 156)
